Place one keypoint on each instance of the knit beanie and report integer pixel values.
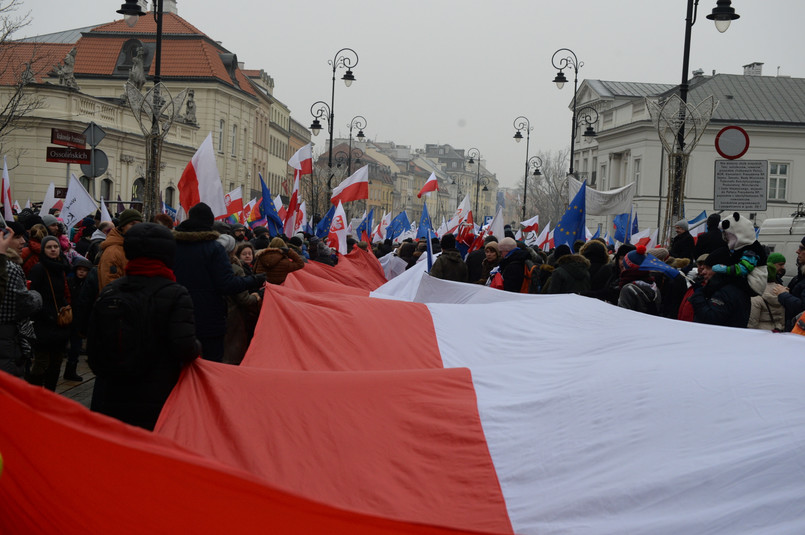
(448, 241)
(227, 241)
(201, 216)
(47, 239)
(150, 240)
(776, 258)
(682, 223)
(634, 259)
(492, 245)
(128, 216)
(49, 219)
(719, 256)
(660, 252)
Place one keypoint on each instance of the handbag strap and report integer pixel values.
(52, 292)
(771, 316)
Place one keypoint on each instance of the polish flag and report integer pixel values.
(530, 225)
(234, 201)
(430, 185)
(337, 237)
(370, 438)
(354, 188)
(5, 193)
(201, 182)
(293, 209)
(380, 231)
(279, 207)
(17, 206)
(460, 215)
(544, 238)
(301, 217)
(302, 161)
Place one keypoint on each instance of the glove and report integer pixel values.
(259, 280)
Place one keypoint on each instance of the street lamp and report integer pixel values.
(568, 61)
(589, 116)
(327, 112)
(475, 153)
(522, 123)
(342, 156)
(722, 15)
(359, 122)
(131, 12)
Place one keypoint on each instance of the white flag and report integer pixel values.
(50, 199)
(105, 212)
(5, 193)
(337, 237)
(77, 204)
(612, 202)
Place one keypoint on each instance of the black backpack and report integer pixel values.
(120, 337)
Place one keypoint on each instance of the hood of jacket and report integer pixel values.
(575, 265)
(113, 238)
(452, 255)
(184, 236)
(98, 235)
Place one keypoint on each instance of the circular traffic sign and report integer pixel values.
(101, 164)
(732, 142)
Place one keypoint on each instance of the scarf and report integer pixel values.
(149, 267)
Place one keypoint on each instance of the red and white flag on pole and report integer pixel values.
(337, 237)
(234, 201)
(293, 208)
(430, 185)
(301, 218)
(460, 215)
(302, 161)
(543, 238)
(530, 225)
(354, 188)
(8, 214)
(280, 208)
(201, 182)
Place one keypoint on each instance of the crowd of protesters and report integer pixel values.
(202, 283)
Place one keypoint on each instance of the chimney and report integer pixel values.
(753, 69)
(169, 6)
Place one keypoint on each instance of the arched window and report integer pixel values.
(106, 189)
(138, 190)
(170, 194)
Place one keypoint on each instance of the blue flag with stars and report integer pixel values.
(366, 225)
(571, 226)
(323, 228)
(398, 225)
(621, 223)
(424, 223)
(273, 220)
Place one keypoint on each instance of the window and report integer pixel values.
(636, 170)
(88, 184)
(170, 193)
(221, 136)
(778, 180)
(245, 144)
(106, 189)
(234, 148)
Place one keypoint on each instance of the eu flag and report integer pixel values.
(571, 226)
(424, 223)
(366, 225)
(273, 220)
(621, 223)
(323, 228)
(398, 225)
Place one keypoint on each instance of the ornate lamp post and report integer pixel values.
(150, 108)
(568, 61)
(589, 116)
(342, 156)
(475, 153)
(359, 122)
(348, 60)
(522, 123)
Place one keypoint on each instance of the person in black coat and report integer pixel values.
(713, 239)
(150, 249)
(475, 260)
(682, 245)
(49, 278)
(261, 238)
(202, 266)
(722, 300)
(792, 298)
(512, 264)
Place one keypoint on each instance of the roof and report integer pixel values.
(63, 37)
(608, 89)
(42, 56)
(187, 53)
(763, 99)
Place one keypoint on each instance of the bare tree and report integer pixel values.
(547, 193)
(19, 65)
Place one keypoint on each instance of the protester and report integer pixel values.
(475, 259)
(169, 341)
(261, 238)
(638, 291)
(202, 266)
(709, 241)
(596, 252)
(49, 278)
(245, 253)
(722, 300)
(17, 304)
(767, 313)
(571, 275)
(778, 261)
(93, 251)
(112, 262)
(491, 261)
(449, 265)
(510, 274)
(683, 244)
(792, 297)
(30, 254)
(242, 310)
(81, 268)
(276, 261)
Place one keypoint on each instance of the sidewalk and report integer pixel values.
(80, 392)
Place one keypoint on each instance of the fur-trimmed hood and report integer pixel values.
(573, 259)
(195, 236)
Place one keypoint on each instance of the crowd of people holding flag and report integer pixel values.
(57, 262)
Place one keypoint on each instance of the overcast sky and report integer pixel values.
(459, 72)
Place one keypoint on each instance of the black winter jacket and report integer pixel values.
(721, 302)
(511, 269)
(450, 266)
(571, 276)
(202, 266)
(139, 401)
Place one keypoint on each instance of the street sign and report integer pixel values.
(67, 138)
(67, 155)
(98, 166)
(740, 185)
(94, 134)
(732, 142)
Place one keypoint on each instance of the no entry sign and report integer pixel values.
(732, 142)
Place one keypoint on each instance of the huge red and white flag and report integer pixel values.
(201, 182)
(302, 161)
(432, 184)
(293, 209)
(5, 198)
(234, 201)
(353, 188)
(337, 236)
